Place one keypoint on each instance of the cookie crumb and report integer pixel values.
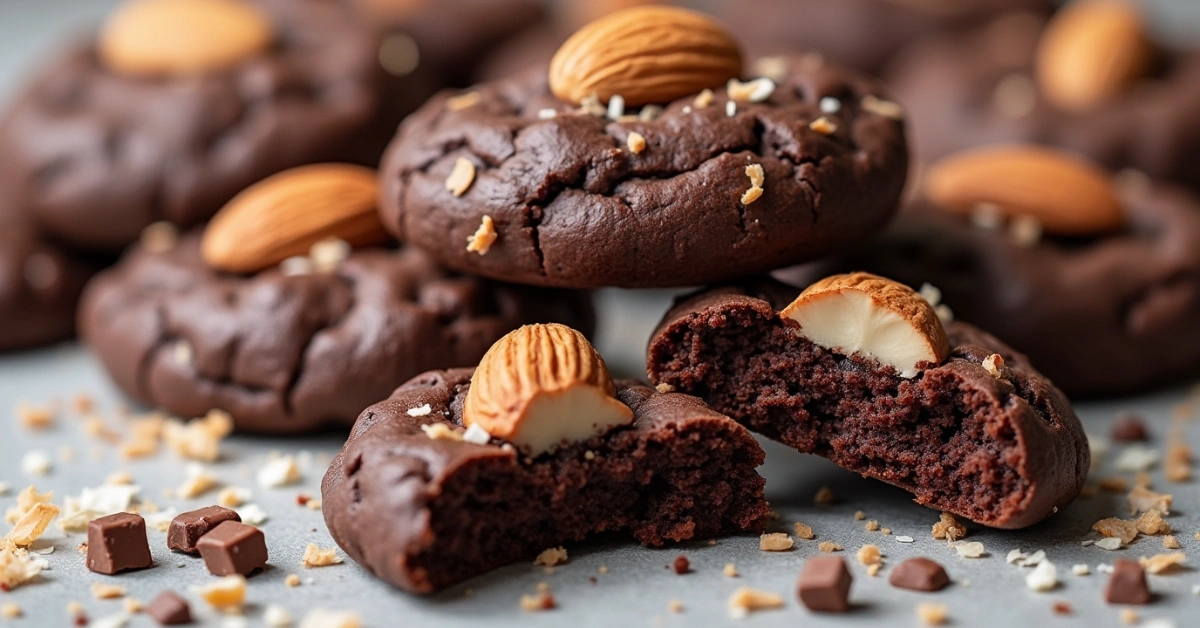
(198, 483)
(757, 178)
(32, 524)
(757, 90)
(859, 515)
(1121, 529)
(1152, 524)
(1142, 499)
(1081, 570)
(316, 557)
(931, 614)
(869, 554)
(233, 496)
(730, 570)
(775, 542)
(675, 606)
(805, 532)
(829, 547)
(1170, 542)
(871, 526)
(441, 431)
(103, 591)
(746, 600)
(551, 557)
(703, 99)
(35, 417)
(881, 107)
(227, 593)
(969, 550)
(461, 177)
(636, 142)
(824, 496)
(132, 605)
(873, 569)
(276, 616)
(199, 439)
(948, 527)
(1044, 577)
(1128, 617)
(543, 600)
(463, 101)
(292, 580)
(992, 365)
(1177, 466)
(1160, 563)
(823, 126)
(484, 237)
(36, 462)
(665, 388)
(11, 611)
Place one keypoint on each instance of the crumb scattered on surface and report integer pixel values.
(757, 178)
(931, 614)
(317, 557)
(1142, 499)
(1160, 563)
(823, 125)
(805, 532)
(1044, 577)
(227, 593)
(1177, 464)
(441, 431)
(543, 600)
(199, 439)
(551, 557)
(775, 542)
(829, 547)
(973, 549)
(730, 570)
(105, 591)
(32, 524)
(1081, 570)
(871, 526)
(992, 365)
(323, 618)
(1152, 524)
(636, 142)
(746, 600)
(869, 554)
(278, 472)
(1170, 542)
(675, 606)
(1121, 529)
(1128, 617)
(824, 496)
(681, 565)
(292, 580)
(949, 528)
(859, 515)
(35, 416)
(10, 611)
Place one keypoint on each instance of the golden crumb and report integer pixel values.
(316, 557)
(859, 515)
(32, 524)
(132, 605)
(313, 504)
(823, 126)
(1152, 524)
(932, 614)
(824, 496)
(1162, 562)
(603, 569)
(82, 403)
(675, 606)
(441, 431)
(730, 570)
(463, 101)
(119, 478)
(10, 611)
(35, 417)
(775, 542)
(636, 142)
(803, 531)
(871, 526)
(1113, 484)
(1118, 528)
(551, 557)
(199, 439)
(1142, 499)
(225, 594)
(461, 177)
(292, 580)
(198, 484)
(1177, 464)
(104, 591)
(1170, 542)
(885, 531)
(880, 107)
(543, 600)
(873, 569)
(74, 608)
(829, 547)
(992, 365)
(750, 195)
(746, 600)
(484, 237)
(869, 554)
(1129, 617)
(665, 388)
(948, 528)
(703, 99)
(231, 497)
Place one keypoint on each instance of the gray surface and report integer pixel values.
(637, 588)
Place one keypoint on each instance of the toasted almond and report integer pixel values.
(646, 55)
(1065, 194)
(541, 386)
(1090, 52)
(860, 313)
(286, 214)
(172, 37)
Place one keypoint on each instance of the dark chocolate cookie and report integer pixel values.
(1106, 315)
(1003, 449)
(424, 513)
(860, 33)
(39, 285)
(286, 354)
(977, 87)
(96, 154)
(578, 200)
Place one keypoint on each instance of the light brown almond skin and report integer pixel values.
(285, 214)
(181, 37)
(646, 55)
(1066, 194)
(1091, 51)
(888, 294)
(529, 361)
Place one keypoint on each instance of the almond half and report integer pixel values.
(646, 55)
(1090, 52)
(1066, 194)
(286, 214)
(171, 37)
(542, 386)
(860, 313)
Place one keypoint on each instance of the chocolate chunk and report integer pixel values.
(233, 547)
(1127, 584)
(1129, 428)
(169, 609)
(188, 527)
(681, 565)
(824, 584)
(118, 543)
(919, 574)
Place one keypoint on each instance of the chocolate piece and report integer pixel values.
(294, 354)
(865, 34)
(424, 513)
(975, 87)
(187, 528)
(233, 548)
(118, 543)
(1002, 451)
(919, 574)
(1127, 584)
(169, 609)
(1129, 428)
(824, 584)
(573, 207)
(1108, 315)
(681, 565)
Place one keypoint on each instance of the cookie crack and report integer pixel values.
(289, 390)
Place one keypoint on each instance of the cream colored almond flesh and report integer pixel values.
(575, 413)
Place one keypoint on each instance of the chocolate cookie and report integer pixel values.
(39, 285)
(975, 431)
(424, 512)
(1104, 315)
(978, 87)
(286, 354)
(861, 33)
(113, 134)
(551, 194)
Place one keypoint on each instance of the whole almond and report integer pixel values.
(173, 37)
(646, 55)
(1066, 194)
(286, 214)
(541, 386)
(1091, 51)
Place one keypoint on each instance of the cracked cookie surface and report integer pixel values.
(575, 205)
(287, 354)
